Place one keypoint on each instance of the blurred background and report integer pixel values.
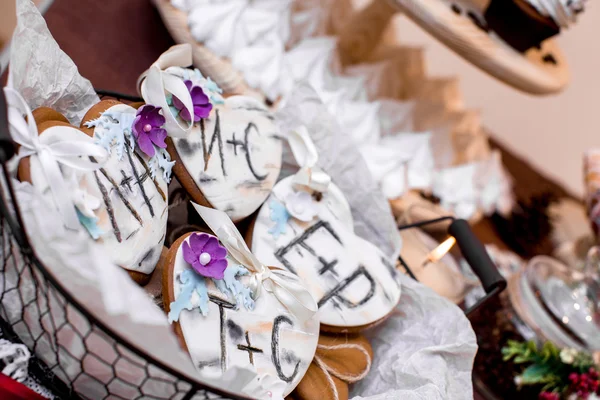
(551, 132)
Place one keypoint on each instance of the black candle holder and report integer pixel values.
(474, 254)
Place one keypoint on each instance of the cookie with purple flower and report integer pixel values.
(231, 158)
(217, 312)
(124, 204)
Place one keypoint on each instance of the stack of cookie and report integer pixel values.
(292, 309)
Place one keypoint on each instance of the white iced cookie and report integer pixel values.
(312, 236)
(223, 323)
(124, 203)
(132, 188)
(231, 159)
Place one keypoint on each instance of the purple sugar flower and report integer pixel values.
(147, 129)
(206, 255)
(202, 105)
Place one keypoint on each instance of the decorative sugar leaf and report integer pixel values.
(165, 163)
(233, 288)
(279, 215)
(93, 123)
(90, 224)
(153, 165)
(112, 129)
(190, 282)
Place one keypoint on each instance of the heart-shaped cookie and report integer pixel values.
(306, 227)
(231, 159)
(353, 282)
(124, 202)
(228, 151)
(226, 315)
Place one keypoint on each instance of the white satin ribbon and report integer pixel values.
(306, 155)
(284, 285)
(155, 82)
(64, 145)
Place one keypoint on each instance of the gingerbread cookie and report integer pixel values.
(231, 159)
(133, 184)
(230, 155)
(229, 310)
(306, 227)
(110, 176)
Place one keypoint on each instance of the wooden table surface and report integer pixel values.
(113, 41)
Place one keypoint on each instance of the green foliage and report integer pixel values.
(583, 362)
(527, 352)
(546, 367)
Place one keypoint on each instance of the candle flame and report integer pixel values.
(441, 250)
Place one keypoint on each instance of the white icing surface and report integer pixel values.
(348, 251)
(137, 242)
(563, 12)
(297, 342)
(228, 181)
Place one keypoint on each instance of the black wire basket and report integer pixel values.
(51, 323)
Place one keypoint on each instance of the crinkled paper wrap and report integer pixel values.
(483, 185)
(425, 350)
(341, 159)
(42, 72)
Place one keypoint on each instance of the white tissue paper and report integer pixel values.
(42, 72)
(401, 162)
(477, 185)
(425, 350)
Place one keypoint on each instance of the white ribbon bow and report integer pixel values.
(282, 284)
(306, 155)
(63, 145)
(156, 81)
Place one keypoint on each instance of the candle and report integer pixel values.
(432, 265)
(440, 251)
